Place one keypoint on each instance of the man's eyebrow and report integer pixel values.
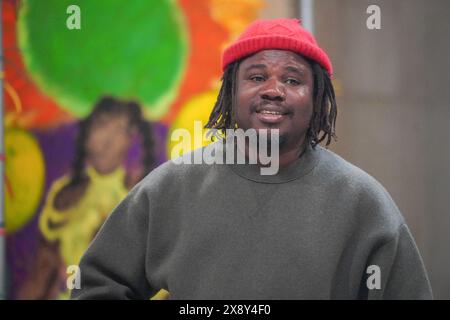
(299, 71)
(256, 66)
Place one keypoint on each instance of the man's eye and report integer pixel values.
(293, 81)
(257, 78)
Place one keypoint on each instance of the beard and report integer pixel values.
(270, 139)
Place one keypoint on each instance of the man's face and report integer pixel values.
(275, 91)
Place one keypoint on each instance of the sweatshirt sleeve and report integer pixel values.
(113, 267)
(403, 274)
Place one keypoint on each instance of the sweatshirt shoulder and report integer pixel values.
(337, 168)
(371, 195)
(173, 173)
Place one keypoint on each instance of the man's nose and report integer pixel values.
(273, 90)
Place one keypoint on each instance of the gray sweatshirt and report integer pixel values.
(319, 229)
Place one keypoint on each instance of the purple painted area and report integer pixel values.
(58, 148)
(160, 132)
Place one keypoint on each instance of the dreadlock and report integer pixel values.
(322, 121)
(110, 105)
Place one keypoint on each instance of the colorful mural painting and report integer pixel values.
(88, 112)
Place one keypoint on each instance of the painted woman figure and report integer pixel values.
(78, 203)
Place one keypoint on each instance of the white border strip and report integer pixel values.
(307, 14)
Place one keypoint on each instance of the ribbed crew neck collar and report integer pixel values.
(299, 168)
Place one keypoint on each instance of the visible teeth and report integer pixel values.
(271, 112)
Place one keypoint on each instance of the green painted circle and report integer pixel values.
(130, 49)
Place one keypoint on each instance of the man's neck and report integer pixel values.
(290, 155)
(287, 154)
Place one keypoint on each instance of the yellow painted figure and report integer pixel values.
(75, 227)
(78, 203)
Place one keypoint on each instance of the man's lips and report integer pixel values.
(271, 113)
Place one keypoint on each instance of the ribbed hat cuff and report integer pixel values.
(252, 45)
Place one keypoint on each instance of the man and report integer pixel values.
(320, 228)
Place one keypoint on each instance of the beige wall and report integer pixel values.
(394, 110)
(279, 9)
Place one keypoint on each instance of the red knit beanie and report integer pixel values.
(284, 34)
